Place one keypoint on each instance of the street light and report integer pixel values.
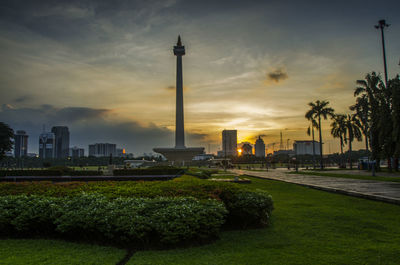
(382, 24)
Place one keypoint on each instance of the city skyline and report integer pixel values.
(107, 73)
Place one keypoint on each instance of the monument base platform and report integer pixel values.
(180, 155)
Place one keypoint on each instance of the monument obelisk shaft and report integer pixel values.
(179, 51)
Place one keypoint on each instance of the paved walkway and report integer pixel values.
(370, 189)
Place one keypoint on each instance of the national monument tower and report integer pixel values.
(180, 153)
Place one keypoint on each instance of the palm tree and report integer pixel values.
(362, 110)
(338, 131)
(310, 131)
(371, 88)
(318, 109)
(352, 131)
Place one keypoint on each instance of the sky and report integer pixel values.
(106, 69)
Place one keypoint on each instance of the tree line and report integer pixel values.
(374, 117)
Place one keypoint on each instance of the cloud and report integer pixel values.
(277, 75)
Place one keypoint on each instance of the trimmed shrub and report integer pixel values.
(148, 171)
(48, 172)
(136, 221)
(247, 208)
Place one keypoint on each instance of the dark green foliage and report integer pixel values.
(248, 208)
(202, 173)
(148, 171)
(230, 194)
(136, 221)
(49, 172)
(6, 139)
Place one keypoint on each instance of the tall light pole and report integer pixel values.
(382, 24)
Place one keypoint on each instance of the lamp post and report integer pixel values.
(382, 24)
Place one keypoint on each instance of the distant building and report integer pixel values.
(102, 149)
(21, 144)
(247, 148)
(229, 142)
(76, 152)
(46, 145)
(259, 147)
(61, 134)
(306, 147)
(121, 152)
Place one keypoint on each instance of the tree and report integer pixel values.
(6, 139)
(352, 131)
(371, 88)
(394, 85)
(319, 109)
(362, 111)
(310, 131)
(338, 130)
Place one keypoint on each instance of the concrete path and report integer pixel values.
(370, 189)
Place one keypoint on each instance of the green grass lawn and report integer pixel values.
(51, 252)
(349, 176)
(308, 227)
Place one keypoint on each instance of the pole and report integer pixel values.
(382, 24)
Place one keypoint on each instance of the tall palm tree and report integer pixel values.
(310, 131)
(338, 130)
(371, 88)
(352, 131)
(362, 111)
(319, 109)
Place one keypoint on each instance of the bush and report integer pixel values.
(136, 221)
(52, 172)
(246, 208)
(202, 173)
(148, 171)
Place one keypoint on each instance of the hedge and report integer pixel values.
(247, 208)
(48, 172)
(134, 221)
(148, 171)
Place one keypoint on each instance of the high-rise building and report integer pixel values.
(76, 152)
(102, 149)
(259, 147)
(46, 145)
(229, 142)
(61, 134)
(21, 144)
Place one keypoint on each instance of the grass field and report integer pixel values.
(33, 252)
(349, 176)
(308, 227)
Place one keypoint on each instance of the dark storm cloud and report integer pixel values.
(277, 75)
(88, 125)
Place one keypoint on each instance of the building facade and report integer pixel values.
(102, 149)
(20, 144)
(61, 134)
(259, 147)
(76, 152)
(229, 142)
(46, 145)
(306, 147)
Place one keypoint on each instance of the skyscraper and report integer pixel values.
(229, 142)
(76, 152)
(46, 145)
(259, 147)
(61, 134)
(21, 144)
(102, 149)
